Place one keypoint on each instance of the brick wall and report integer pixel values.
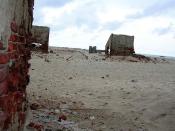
(16, 18)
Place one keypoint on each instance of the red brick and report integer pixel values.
(17, 38)
(13, 55)
(4, 70)
(4, 58)
(21, 118)
(14, 27)
(4, 117)
(21, 30)
(13, 38)
(1, 45)
(21, 39)
(14, 80)
(12, 46)
(3, 87)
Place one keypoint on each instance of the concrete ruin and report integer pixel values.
(92, 49)
(120, 45)
(16, 17)
(40, 38)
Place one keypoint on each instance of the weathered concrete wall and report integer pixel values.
(120, 45)
(92, 49)
(40, 34)
(108, 45)
(16, 18)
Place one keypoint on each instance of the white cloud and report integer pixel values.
(79, 37)
(146, 41)
(111, 14)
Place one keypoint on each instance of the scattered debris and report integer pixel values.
(128, 93)
(86, 57)
(63, 102)
(62, 117)
(92, 118)
(106, 103)
(69, 58)
(103, 58)
(142, 57)
(57, 111)
(46, 60)
(107, 75)
(133, 80)
(40, 56)
(43, 120)
(133, 60)
(34, 106)
(36, 126)
(51, 51)
(90, 94)
(70, 78)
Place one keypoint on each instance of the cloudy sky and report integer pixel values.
(80, 23)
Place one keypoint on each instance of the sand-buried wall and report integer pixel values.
(16, 17)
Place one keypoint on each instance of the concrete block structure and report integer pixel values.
(92, 49)
(120, 45)
(16, 17)
(40, 36)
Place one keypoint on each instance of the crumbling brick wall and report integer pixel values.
(16, 18)
(40, 35)
(120, 45)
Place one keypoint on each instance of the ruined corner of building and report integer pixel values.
(40, 38)
(16, 38)
(122, 45)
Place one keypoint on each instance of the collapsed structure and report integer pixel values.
(40, 38)
(16, 17)
(120, 45)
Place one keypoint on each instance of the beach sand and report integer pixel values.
(110, 94)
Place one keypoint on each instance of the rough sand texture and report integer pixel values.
(129, 95)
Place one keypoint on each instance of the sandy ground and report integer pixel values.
(116, 94)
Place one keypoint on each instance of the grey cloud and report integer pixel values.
(113, 25)
(84, 15)
(51, 3)
(39, 4)
(160, 7)
(166, 30)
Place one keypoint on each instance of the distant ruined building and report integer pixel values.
(40, 37)
(16, 17)
(120, 45)
(92, 49)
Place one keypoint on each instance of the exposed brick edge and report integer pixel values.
(14, 78)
